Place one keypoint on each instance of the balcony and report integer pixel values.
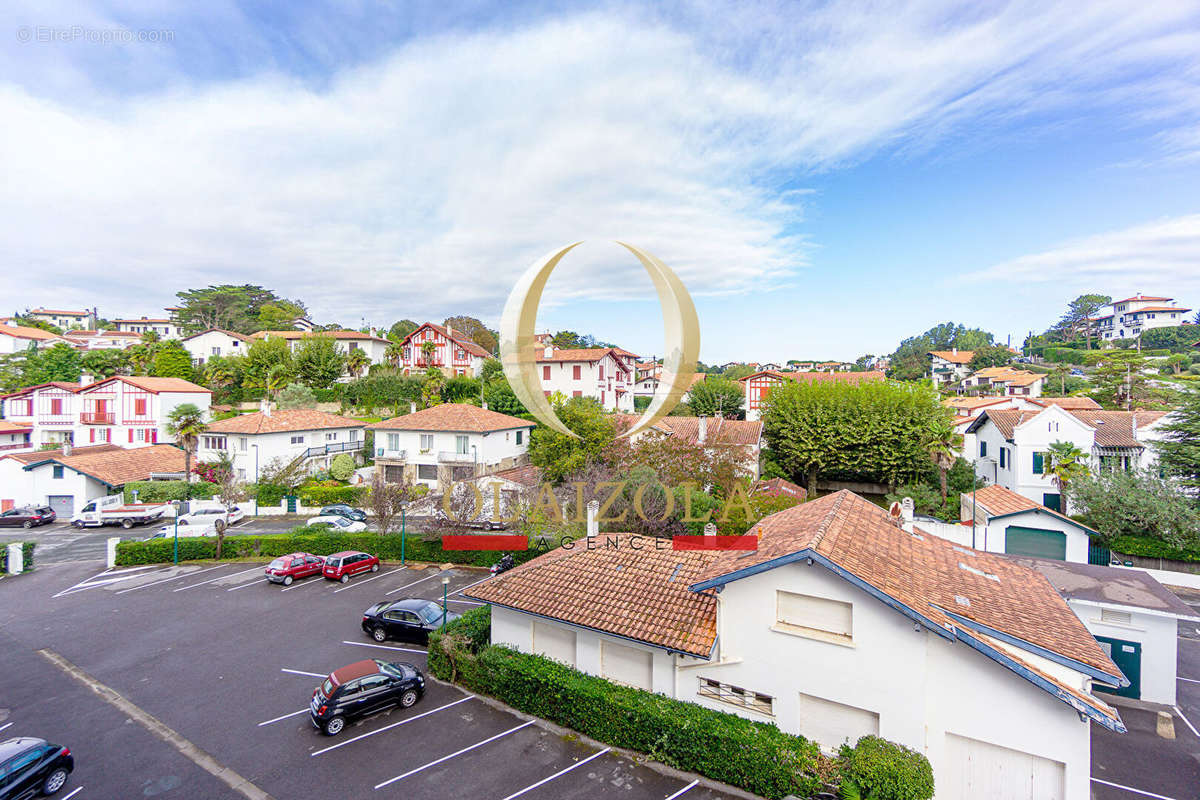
(19, 446)
(455, 458)
(330, 449)
(391, 455)
(98, 418)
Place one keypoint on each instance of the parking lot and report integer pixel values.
(193, 681)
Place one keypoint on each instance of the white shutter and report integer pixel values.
(554, 641)
(980, 769)
(626, 664)
(831, 724)
(817, 613)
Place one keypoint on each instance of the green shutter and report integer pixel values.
(1128, 658)
(1038, 463)
(1036, 542)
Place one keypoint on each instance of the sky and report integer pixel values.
(826, 178)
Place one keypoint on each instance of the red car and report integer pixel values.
(287, 569)
(340, 566)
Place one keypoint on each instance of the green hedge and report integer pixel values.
(166, 491)
(26, 555)
(268, 494)
(1148, 547)
(881, 770)
(325, 495)
(310, 540)
(755, 756)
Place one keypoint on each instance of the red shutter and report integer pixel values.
(131, 434)
(576, 393)
(154, 434)
(578, 372)
(91, 434)
(601, 372)
(546, 372)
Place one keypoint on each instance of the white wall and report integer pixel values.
(1158, 635)
(201, 346)
(240, 447)
(490, 449)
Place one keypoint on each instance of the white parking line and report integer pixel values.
(681, 791)
(71, 794)
(1189, 680)
(1187, 722)
(469, 585)
(320, 581)
(5, 725)
(454, 754)
(468, 602)
(302, 672)
(172, 578)
(393, 725)
(92, 584)
(560, 772)
(285, 716)
(1131, 789)
(218, 578)
(368, 580)
(383, 647)
(414, 583)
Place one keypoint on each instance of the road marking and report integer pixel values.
(1131, 789)
(85, 585)
(155, 726)
(560, 772)
(468, 602)
(457, 753)
(71, 794)
(1187, 722)
(172, 578)
(393, 725)
(1189, 680)
(218, 578)
(320, 581)
(414, 583)
(681, 791)
(5, 725)
(368, 580)
(285, 716)
(247, 583)
(384, 647)
(302, 672)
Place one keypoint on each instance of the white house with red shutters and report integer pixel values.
(15, 437)
(605, 373)
(453, 352)
(49, 409)
(1133, 315)
(760, 384)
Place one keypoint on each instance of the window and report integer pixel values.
(577, 372)
(213, 442)
(1039, 463)
(576, 393)
(983, 449)
(628, 665)
(427, 472)
(393, 441)
(554, 641)
(519, 436)
(1003, 457)
(462, 445)
(141, 434)
(295, 440)
(139, 406)
(56, 406)
(832, 724)
(736, 696)
(330, 437)
(601, 372)
(546, 372)
(816, 617)
(426, 442)
(58, 472)
(243, 444)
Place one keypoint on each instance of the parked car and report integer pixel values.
(287, 569)
(410, 619)
(342, 510)
(340, 566)
(168, 531)
(29, 767)
(363, 688)
(113, 510)
(215, 515)
(1078, 373)
(28, 517)
(339, 524)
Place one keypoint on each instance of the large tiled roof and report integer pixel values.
(588, 354)
(66, 386)
(971, 403)
(954, 357)
(775, 487)
(1137, 298)
(1068, 403)
(60, 313)
(998, 501)
(637, 591)
(151, 384)
(456, 336)
(526, 475)
(1021, 378)
(118, 466)
(1156, 308)
(821, 377)
(23, 332)
(283, 420)
(43, 455)
(461, 417)
(1006, 419)
(230, 334)
(718, 429)
(8, 426)
(1116, 428)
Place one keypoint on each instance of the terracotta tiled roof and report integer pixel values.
(589, 354)
(61, 313)
(971, 403)
(821, 377)
(22, 332)
(624, 585)
(997, 501)
(119, 466)
(779, 486)
(1140, 298)
(1066, 402)
(994, 372)
(64, 385)
(719, 430)
(1022, 378)
(8, 426)
(43, 455)
(527, 475)
(142, 319)
(1006, 419)
(352, 335)
(1115, 428)
(153, 385)
(217, 330)
(456, 336)
(292, 419)
(453, 417)
(960, 357)
(1156, 308)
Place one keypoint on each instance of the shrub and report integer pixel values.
(755, 756)
(1148, 547)
(27, 549)
(268, 494)
(342, 466)
(324, 495)
(883, 770)
(166, 491)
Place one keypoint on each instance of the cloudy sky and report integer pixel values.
(826, 178)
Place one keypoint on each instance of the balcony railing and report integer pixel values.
(329, 449)
(21, 446)
(391, 455)
(455, 458)
(97, 418)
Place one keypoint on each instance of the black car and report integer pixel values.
(28, 517)
(31, 767)
(343, 510)
(363, 688)
(410, 619)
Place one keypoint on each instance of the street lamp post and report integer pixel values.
(255, 479)
(176, 504)
(445, 588)
(403, 507)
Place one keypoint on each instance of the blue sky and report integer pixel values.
(826, 178)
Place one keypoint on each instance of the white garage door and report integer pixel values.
(554, 641)
(626, 664)
(831, 724)
(978, 769)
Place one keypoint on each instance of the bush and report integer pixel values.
(27, 549)
(166, 491)
(883, 770)
(1148, 547)
(755, 756)
(268, 494)
(325, 495)
(342, 466)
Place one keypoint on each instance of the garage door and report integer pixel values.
(831, 724)
(1036, 542)
(554, 641)
(978, 769)
(1128, 658)
(63, 505)
(627, 665)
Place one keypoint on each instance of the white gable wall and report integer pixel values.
(1158, 635)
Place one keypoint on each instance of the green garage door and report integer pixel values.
(1036, 542)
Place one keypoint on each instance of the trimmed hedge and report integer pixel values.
(318, 541)
(326, 495)
(166, 491)
(268, 494)
(27, 549)
(881, 770)
(1148, 547)
(755, 756)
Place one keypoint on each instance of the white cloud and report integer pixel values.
(424, 183)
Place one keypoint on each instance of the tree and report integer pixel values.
(1131, 503)
(341, 467)
(400, 330)
(384, 500)
(461, 389)
(150, 337)
(221, 372)
(40, 324)
(910, 361)
(431, 390)
(861, 364)
(560, 455)
(104, 363)
(232, 492)
(944, 446)
(1064, 463)
(737, 372)
(1179, 448)
(717, 397)
(230, 307)
(393, 353)
(427, 351)
(185, 423)
(996, 355)
(262, 357)
(476, 331)
(1176, 364)
(59, 362)
(356, 362)
(296, 395)
(1062, 371)
(1119, 379)
(278, 378)
(279, 315)
(141, 357)
(172, 360)
(491, 370)
(317, 361)
(1081, 314)
(500, 397)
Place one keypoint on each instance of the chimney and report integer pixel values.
(710, 530)
(66, 448)
(702, 429)
(593, 526)
(906, 514)
(85, 379)
(954, 350)
(484, 405)
(548, 351)
(265, 407)
(412, 408)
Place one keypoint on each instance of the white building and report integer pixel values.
(102, 340)
(15, 436)
(604, 373)
(66, 320)
(1139, 313)
(1006, 522)
(16, 338)
(215, 343)
(965, 656)
(449, 442)
(165, 328)
(1011, 445)
(949, 366)
(966, 410)
(1133, 617)
(255, 440)
(51, 410)
(452, 352)
(347, 342)
(759, 385)
(132, 411)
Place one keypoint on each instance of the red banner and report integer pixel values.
(744, 542)
(485, 541)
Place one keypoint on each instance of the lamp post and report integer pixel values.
(445, 588)
(403, 507)
(255, 479)
(176, 505)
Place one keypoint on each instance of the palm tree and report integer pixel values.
(1064, 463)
(356, 362)
(150, 337)
(218, 374)
(393, 353)
(944, 445)
(278, 377)
(1062, 371)
(186, 423)
(427, 350)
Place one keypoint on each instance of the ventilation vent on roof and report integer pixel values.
(979, 572)
(1099, 421)
(619, 567)
(964, 551)
(916, 535)
(962, 601)
(675, 572)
